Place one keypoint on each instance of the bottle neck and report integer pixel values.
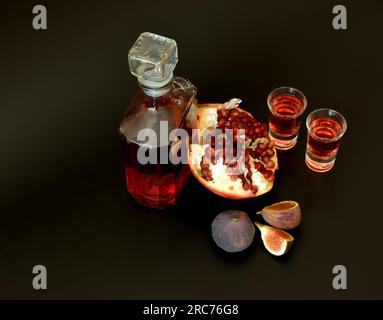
(155, 92)
(155, 98)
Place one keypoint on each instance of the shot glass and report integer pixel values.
(325, 129)
(286, 106)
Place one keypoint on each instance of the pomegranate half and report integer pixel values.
(259, 153)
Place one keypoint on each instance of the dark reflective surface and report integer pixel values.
(63, 201)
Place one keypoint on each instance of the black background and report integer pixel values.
(63, 201)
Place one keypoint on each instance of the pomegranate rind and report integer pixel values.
(276, 241)
(204, 116)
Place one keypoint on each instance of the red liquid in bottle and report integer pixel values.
(283, 119)
(158, 184)
(322, 141)
(154, 185)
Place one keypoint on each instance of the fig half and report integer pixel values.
(282, 215)
(276, 241)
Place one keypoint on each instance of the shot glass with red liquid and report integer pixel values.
(325, 129)
(286, 106)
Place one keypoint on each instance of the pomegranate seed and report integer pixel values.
(258, 166)
(265, 159)
(257, 130)
(263, 127)
(270, 164)
(221, 123)
(241, 125)
(232, 164)
(270, 145)
(222, 113)
(204, 166)
(205, 172)
(254, 188)
(246, 186)
(270, 152)
(261, 146)
(268, 174)
(249, 131)
(205, 159)
(258, 151)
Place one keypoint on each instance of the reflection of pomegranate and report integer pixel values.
(207, 158)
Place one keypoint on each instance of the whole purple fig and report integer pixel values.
(232, 230)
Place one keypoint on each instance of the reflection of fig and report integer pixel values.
(233, 230)
(276, 241)
(283, 215)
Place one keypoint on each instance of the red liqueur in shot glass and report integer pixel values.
(325, 129)
(286, 106)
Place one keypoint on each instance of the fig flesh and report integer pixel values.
(282, 215)
(276, 241)
(233, 230)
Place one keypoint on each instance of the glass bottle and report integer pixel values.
(159, 106)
